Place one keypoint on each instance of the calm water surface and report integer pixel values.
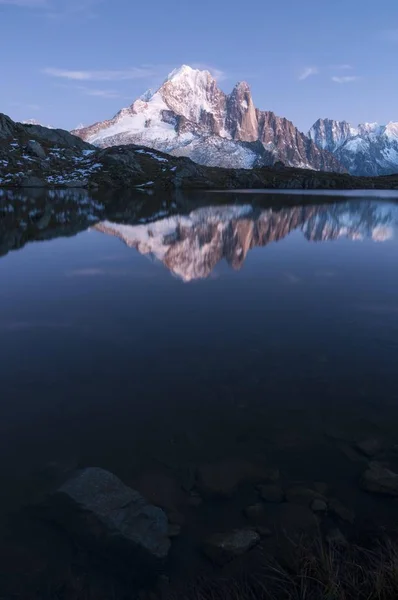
(151, 336)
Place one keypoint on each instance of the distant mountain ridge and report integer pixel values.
(369, 149)
(190, 116)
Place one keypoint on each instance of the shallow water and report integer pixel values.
(151, 336)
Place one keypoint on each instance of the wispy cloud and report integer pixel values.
(217, 73)
(56, 9)
(345, 78)
(27, 3)
(73, 8)
(89, 272)
(102, 93)
(108, 75)
(308, 72)
(108, 94)
(342, 67)
(88, 91)
(291, 278)
(389, 35)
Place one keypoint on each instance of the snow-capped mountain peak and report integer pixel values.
(368, 129)
(189, 115)
(391, 130)
(188, 73)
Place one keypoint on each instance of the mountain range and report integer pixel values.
(189, 115)
(36, 156)
(369, 149)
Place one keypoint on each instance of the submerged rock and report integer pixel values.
(263, 531)
(303, 495)
(113, 520)
(255, 511)
(221, 479)
(341, 511)
(224, 547)
(370, 447)
(272, 493)
(336, 538)
(319, 506)
(380, 480)
(174, 531)
(195, 500)
(294, 520)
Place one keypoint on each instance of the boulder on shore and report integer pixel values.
(113, 520)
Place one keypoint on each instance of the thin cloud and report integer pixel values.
(292, 278)
(108, 94)
(342, 67)
(74, 8)
(89, 272)
(111, 75)
(345, 78)
(27, 3)
(308, 72)
(58, 9)
(87, 91)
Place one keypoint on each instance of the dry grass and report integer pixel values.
(319, 572)
(312, 571)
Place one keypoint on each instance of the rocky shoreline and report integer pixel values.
(132, 536)
(34, 156)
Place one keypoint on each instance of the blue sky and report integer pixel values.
(66, 62)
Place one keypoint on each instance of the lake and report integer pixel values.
(154, 337)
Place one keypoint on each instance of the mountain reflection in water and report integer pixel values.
(189, 235)
(190, 246)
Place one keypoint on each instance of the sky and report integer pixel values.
(71, 62)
